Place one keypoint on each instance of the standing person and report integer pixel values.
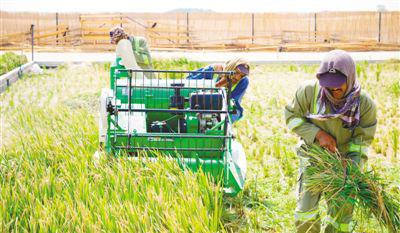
(336, 114)
(240, 80)
(132, 50)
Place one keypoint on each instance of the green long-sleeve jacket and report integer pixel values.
(348, 141)
(141, 51)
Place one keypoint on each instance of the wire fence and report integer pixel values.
(246, 31)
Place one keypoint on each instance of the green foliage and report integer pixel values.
(395, 89)
(395, 138)
(378, 71)
(293, 68)
(176, 64)
(361, 70)
(49, 182)
(9, 61)
(309, 69)
(342, 180)
(297, 68)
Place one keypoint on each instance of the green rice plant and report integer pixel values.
(309, 69)
(378, 71)
(9, 61)
(395, 138)
(293, 68)
(391, 64)
(358, 70)
(339, 177)
(395, 89)
(176, 64)
(49, 182)
(361, 70)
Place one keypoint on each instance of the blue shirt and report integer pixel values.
(202, 75)
(237, 93)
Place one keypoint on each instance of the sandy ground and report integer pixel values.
(209, 57)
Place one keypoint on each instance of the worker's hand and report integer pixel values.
(236, 78)
(326, 141)
(222, 82)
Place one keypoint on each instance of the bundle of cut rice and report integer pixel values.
(339, 177)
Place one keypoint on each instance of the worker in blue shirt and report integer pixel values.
(240, 80)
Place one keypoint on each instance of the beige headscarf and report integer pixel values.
(230, 66)
(233, 63)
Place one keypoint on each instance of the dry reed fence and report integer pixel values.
(215, 31)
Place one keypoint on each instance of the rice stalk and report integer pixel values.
(341, 178)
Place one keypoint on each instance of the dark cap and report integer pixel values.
(243, 68)
(333, 79)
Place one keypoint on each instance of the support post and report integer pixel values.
(252, 28)
(187, 28)
(379, 26)
(32, 39)
(315, 27)
(57, 27)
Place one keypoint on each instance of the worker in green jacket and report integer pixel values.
(336, 114)
(133, 51)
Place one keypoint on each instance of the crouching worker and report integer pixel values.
(240, 80)
(336, 114)
(133, 51)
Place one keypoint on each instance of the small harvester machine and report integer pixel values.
(169, 115)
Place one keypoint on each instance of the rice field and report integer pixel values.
(49, 182)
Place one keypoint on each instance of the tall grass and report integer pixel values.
(48, 181)
(343, 181)
(9, 61)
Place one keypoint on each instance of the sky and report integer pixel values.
(214, 5)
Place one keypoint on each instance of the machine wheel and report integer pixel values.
(105, 94)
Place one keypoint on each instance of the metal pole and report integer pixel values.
(57, 27)
(379, 27)
(32, 39)
(187, 27)
(252, 28)
(315, 27)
